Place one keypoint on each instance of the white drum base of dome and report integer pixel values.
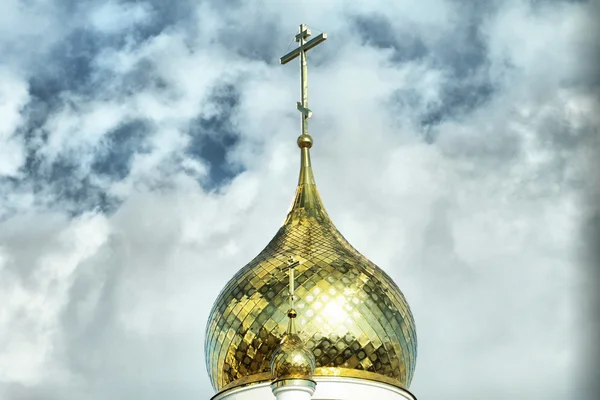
(328, 388)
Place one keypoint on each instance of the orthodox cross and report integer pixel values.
(301, 51)
(291, 265)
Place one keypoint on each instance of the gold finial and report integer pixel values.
(304, 141)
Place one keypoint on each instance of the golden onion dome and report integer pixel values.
(351, 315)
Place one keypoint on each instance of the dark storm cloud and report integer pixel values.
(71, 72)
(72, 68)
(75, 69)
(69, 189)
(71, 64)
(256, 41)
(118, 147)
(460, 53)
(164, 14)
(378, 30)
(212, 137)
(461, 49)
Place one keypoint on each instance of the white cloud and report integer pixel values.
(77, 131)
(113, 17)
(37, 274)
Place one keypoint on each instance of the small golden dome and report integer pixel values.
(292, 360)
(352, 316)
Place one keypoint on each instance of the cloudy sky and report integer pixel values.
(147, 152)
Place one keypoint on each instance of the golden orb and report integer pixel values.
(305, 141)
(351, 316)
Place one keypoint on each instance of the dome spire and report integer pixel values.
(307, 198)
(305, 140)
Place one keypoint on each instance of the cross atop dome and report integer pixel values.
(301, 50)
